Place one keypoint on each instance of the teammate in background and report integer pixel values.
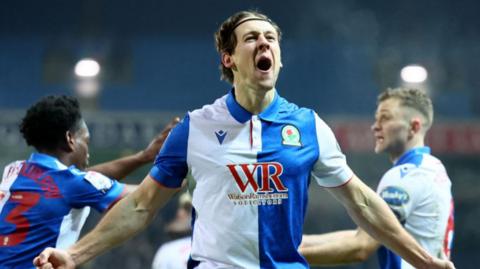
(175, 254)
(44, 201)
(417, 188)
(251, 154)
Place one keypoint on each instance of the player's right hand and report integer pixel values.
(52, 258)
(443, 264)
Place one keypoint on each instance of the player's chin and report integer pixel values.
(266, 82)
(379, 148)
(83, 166)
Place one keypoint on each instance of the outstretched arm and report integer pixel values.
(120, 168)
(372, 214)
(341, 247)
(128, 217)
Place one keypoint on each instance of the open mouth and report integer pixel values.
(264, 64)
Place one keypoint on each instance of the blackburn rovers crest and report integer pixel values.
(291, 136)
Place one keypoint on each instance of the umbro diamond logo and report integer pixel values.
(221, 134)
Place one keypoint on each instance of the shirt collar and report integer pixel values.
(242, 115)
(46, 161)
(413, 156)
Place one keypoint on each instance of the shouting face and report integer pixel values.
(256, 59)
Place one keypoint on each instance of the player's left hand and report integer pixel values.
(149, 153)
(52, 258)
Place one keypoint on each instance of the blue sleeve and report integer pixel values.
(170, 167)
(93, 189)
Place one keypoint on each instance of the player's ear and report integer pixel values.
(415, 125)
(227, 60)
(70, 141)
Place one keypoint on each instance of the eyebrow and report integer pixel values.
(257, 32)
(382, 112)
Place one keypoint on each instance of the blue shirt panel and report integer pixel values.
(387, 259)
(279, 241)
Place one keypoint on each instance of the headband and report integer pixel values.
(249, 19)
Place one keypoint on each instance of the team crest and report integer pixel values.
(291, 136)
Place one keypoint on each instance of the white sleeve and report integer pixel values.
(159, 259)
(331, 169)
(173, 254)
(10, 172)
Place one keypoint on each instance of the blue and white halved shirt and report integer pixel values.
(252, 174)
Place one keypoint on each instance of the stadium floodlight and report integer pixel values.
(414, 74)
(87, 68)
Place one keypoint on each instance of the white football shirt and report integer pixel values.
(418, 190)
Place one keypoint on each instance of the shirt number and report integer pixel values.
(24, 201)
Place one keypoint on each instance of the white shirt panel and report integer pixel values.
(71, 227)
(206, 157)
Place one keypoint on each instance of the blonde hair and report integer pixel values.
(412, 98)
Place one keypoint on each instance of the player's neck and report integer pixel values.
(411, 144)
(60, 155)
(254, 100)
(416, 142)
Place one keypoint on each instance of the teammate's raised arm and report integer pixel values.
(120, 168)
